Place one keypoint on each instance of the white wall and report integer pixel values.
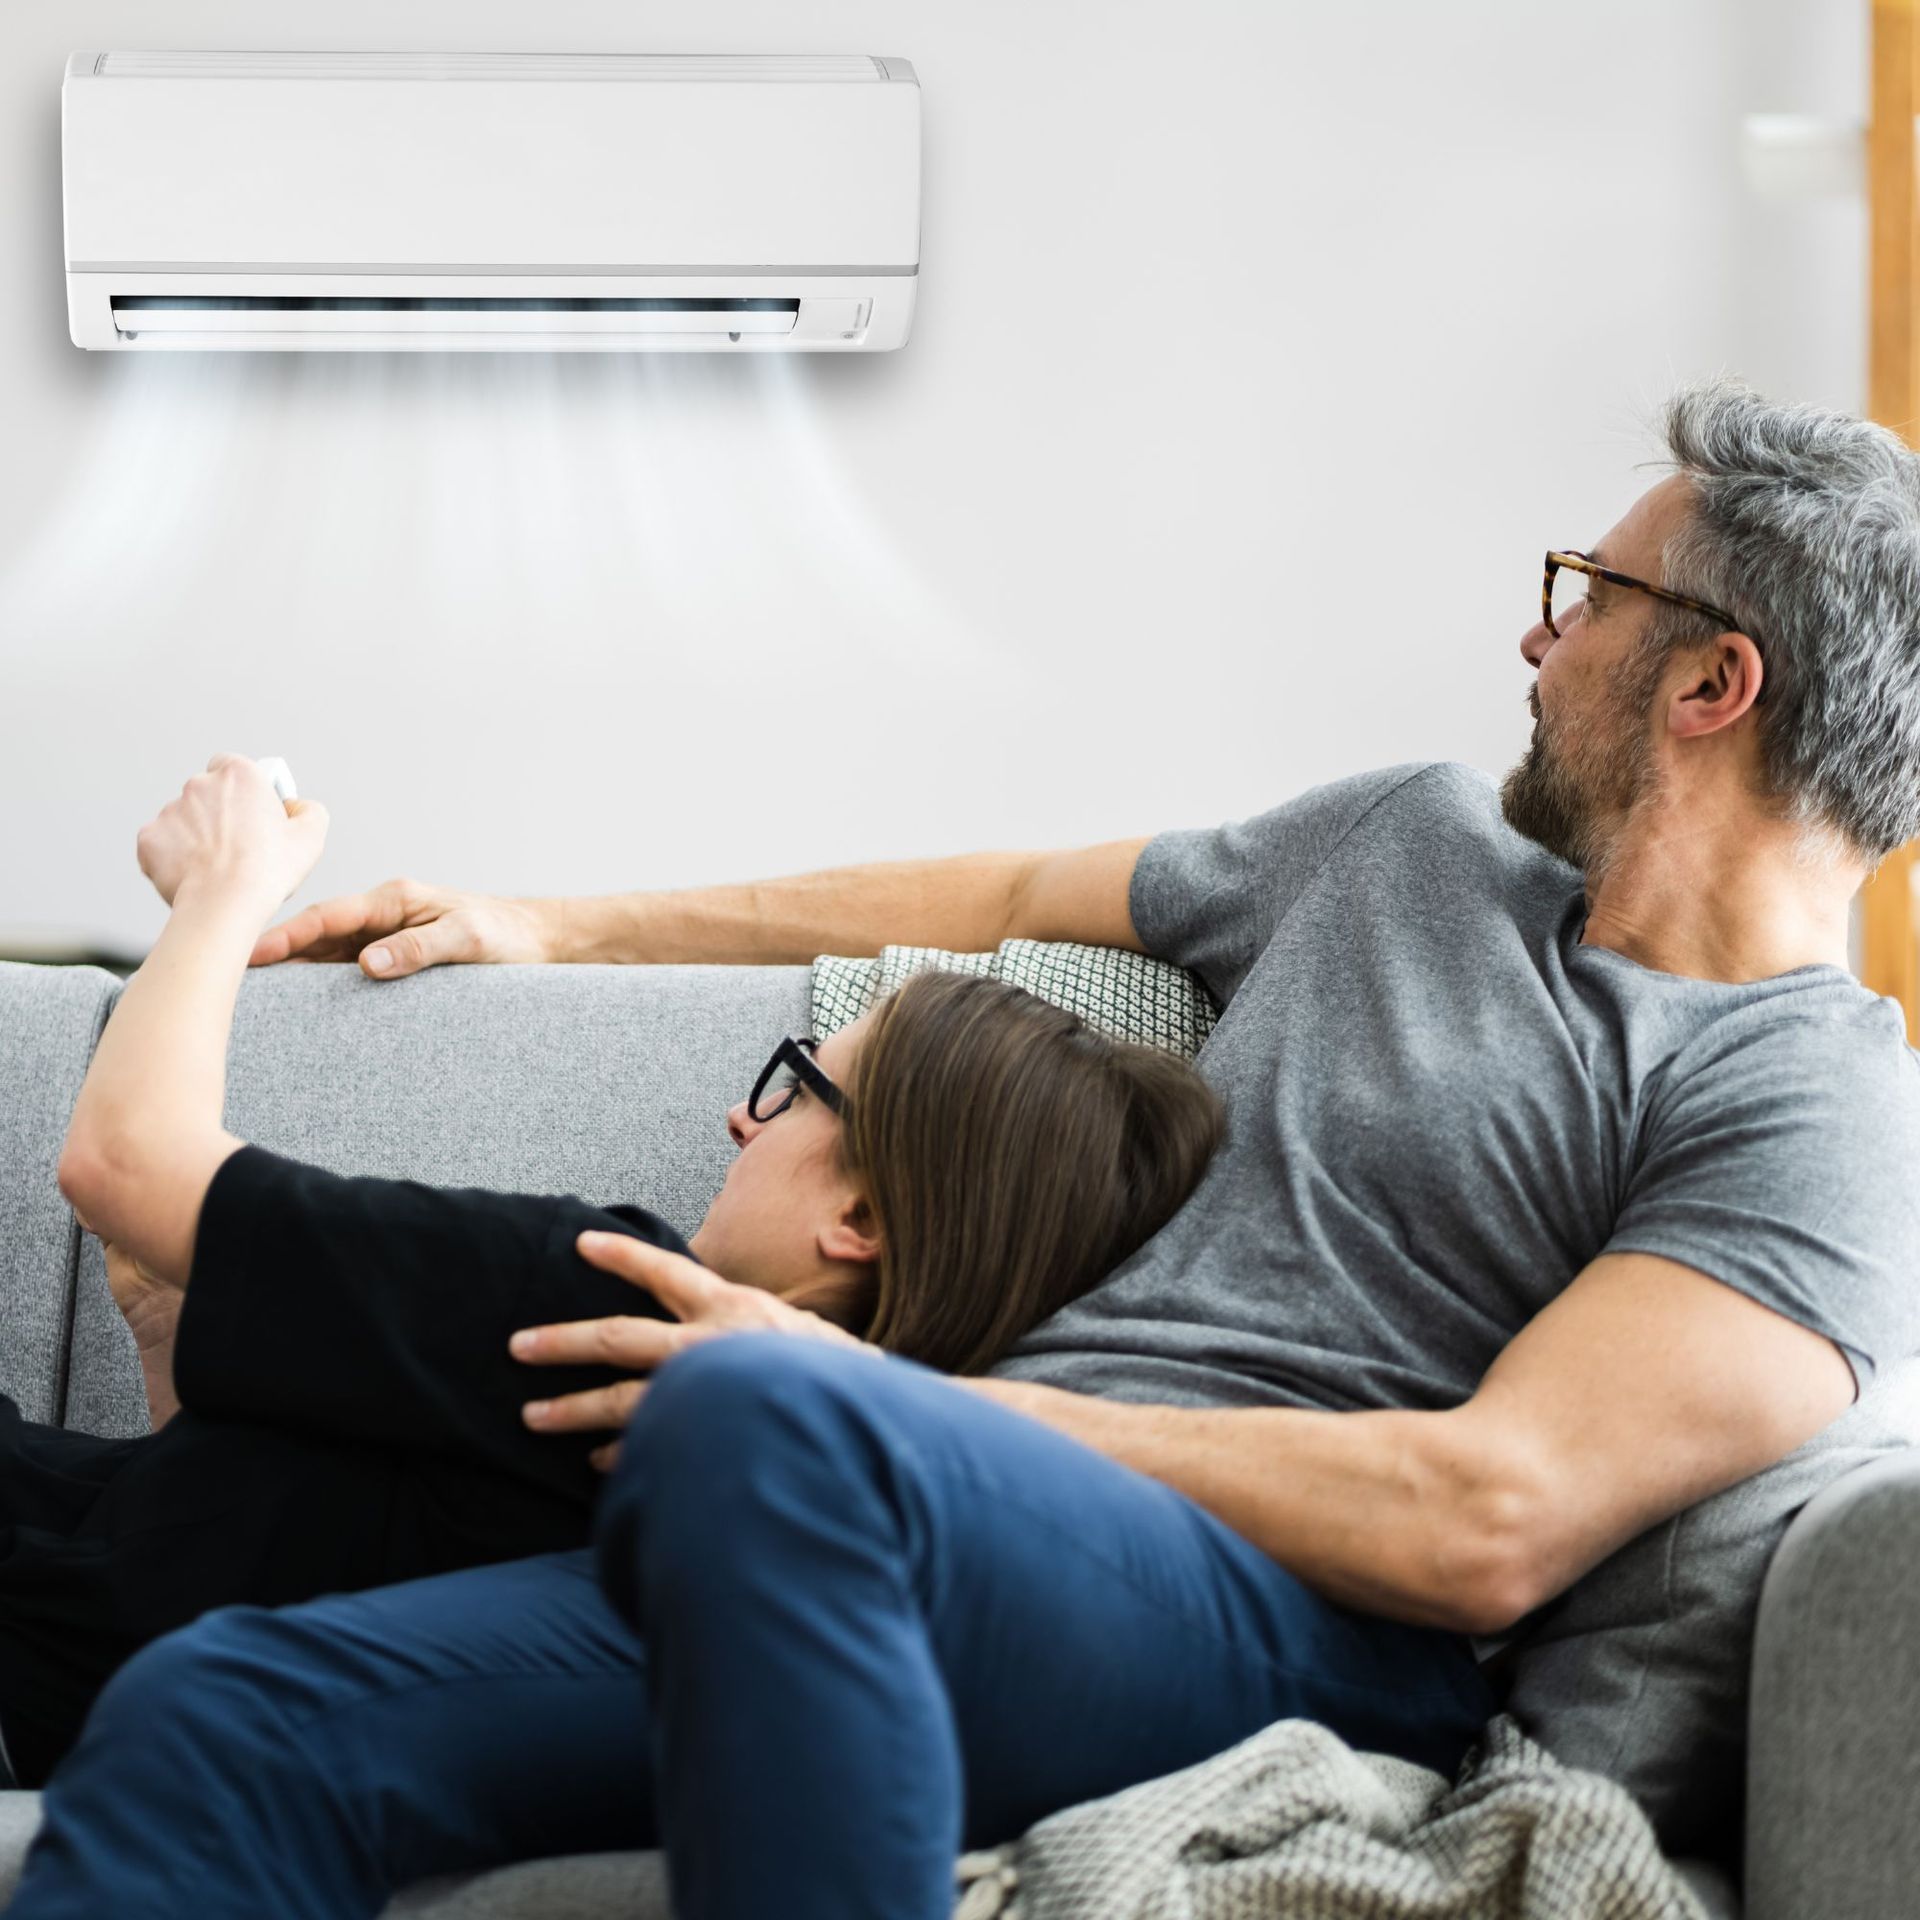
(1261, 349)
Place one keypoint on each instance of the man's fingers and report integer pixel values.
(395, 955)
(370, 925)
(684, 1287)
(595, 1411)
(620, 1341)
(606, 1458)
(328, 930)
(451, 937)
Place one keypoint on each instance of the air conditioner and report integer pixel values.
(543, 202)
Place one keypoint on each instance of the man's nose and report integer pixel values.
(1535, 644)
(741, 1125)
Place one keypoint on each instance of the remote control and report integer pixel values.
(281, 775)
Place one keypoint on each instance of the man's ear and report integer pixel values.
(1723, 681)
(853, 1234)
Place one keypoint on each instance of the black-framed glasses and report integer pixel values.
(1557, 602)
(791, 1068)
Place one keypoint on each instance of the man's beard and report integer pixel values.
(1575, 786)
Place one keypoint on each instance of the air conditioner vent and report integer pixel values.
(351, 303)
(406, 320)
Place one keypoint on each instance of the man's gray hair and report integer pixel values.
(1805, 526)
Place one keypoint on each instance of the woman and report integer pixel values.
(933, 1180)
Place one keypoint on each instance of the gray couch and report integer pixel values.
(611, 1082)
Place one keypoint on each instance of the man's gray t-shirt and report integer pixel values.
(1442, 1106)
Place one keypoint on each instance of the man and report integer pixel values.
(1569, 1183)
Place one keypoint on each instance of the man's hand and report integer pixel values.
(404, 926)
(229, 828)
(707, 1308)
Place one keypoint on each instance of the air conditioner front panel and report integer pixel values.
(507, 175)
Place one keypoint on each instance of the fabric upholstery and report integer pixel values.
(1836, 1707)
(590, 1886)
(19, 1822)
(593, 1886)
(49, 1020)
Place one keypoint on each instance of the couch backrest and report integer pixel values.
(608, 1082)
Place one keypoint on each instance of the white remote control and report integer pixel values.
(281, 775)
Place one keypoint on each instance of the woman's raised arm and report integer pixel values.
(147, 1133)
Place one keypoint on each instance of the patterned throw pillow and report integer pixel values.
(1127, 996)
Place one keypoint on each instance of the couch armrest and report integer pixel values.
(1833, 1765)
(50, 1018)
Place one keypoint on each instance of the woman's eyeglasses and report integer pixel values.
(791, 1068)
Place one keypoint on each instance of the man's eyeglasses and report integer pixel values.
(791, 1068)
(1565, 589)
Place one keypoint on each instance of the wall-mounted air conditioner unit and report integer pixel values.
(549, 202)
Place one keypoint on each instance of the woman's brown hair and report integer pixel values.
(1012, 1157)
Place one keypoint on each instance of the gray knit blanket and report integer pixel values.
(1293, 1824)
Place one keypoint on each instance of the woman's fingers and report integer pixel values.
(595, 1411)
(684, 1287)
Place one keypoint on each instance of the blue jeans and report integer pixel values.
(847, 1616)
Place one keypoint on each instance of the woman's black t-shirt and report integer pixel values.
(350, 1416)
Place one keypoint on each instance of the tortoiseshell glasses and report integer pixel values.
(1576, 562)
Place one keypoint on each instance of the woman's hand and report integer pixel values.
(151, 1308)
(404, 925)
(229, 828)
(136, 1289)
(707, 1308)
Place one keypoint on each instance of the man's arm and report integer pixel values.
(1642, 1389)
(969, 904)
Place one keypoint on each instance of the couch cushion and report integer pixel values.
(600, 1886)
(50, 1018)
(594, 1886)
(588, 1886)
(19, 1822)
(609, 1082)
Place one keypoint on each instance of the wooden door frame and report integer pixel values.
(1889, 924)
